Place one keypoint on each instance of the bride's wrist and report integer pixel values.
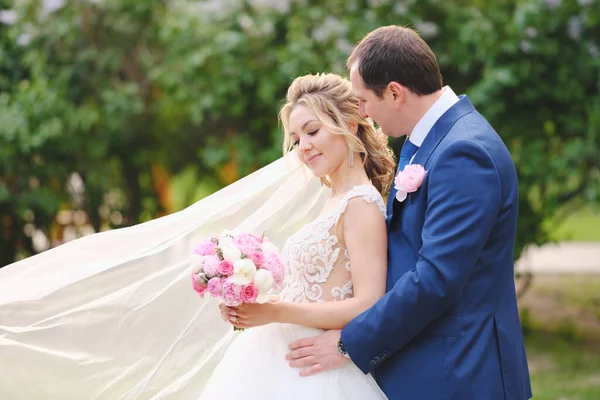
(280, 312)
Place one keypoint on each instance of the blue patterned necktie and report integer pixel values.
(408, 150)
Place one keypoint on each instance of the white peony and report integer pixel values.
(263, 280)
(231, 253)
(269, 247)
(244, 271)
(197, 261)
(262, 298)
(265, 298)
(225, 241)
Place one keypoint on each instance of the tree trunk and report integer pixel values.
(134, 194)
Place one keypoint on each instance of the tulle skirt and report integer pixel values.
(254, 367)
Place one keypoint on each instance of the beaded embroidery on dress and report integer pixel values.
(317, 265)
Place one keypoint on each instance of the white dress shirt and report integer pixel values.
(422, 128)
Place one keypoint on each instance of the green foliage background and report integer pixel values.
(116, 112)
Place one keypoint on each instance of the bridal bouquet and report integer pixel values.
(238, 268)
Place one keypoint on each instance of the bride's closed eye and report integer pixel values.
(296, 142)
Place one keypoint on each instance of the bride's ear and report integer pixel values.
(354, 128)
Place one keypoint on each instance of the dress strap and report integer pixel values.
(368, 193)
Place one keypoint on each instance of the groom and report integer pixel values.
(448, 327)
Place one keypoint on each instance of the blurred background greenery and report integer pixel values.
(116, 112)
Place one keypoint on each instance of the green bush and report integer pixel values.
(102, 103)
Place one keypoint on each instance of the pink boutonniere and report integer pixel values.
(409, 180)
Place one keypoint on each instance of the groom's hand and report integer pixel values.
(317, 354)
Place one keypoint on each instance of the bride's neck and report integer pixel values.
(347, 177)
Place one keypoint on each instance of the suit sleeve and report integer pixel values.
(463, 202)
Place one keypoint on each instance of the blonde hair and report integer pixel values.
(331, 95)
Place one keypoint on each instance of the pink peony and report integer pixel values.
(409, 180)
(247, 243)
(205, 248)
(257, 238)
(249, 293)
(214, 287)
(211, 265)
(274, 264)
(231, 294)
(198, 287)
(225, 268)
(257, 257)
(279, 277)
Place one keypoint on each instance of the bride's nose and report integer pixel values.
(305, 145)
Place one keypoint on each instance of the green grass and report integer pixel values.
(560, 317)
(561, 369)
(578, 291)
(580, 226)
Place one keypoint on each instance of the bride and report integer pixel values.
(112, 315)
(336, 265)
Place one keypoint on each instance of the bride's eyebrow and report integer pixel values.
(304, 125)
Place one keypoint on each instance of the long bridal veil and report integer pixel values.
(113, 315)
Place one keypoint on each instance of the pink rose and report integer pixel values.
(214, 287)
(246, 243)
(225, 268)
(198, 287)
(257, 257)
(231, 294)
(211, 265)
(409, 180)
(205, 248)
(249, 293)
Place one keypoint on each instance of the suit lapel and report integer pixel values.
(433, 138)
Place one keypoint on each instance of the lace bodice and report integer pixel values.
(317, 265)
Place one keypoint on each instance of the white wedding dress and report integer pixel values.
(317, 270)
(112, 316)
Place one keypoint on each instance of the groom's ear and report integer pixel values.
(396, 91)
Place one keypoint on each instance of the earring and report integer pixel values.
(351, 156)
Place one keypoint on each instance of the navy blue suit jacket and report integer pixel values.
(448, 327)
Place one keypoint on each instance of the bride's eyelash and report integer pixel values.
(311, 133)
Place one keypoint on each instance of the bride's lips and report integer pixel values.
(309, 159)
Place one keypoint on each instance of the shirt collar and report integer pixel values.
(443, 104)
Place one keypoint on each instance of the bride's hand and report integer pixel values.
(252, 315)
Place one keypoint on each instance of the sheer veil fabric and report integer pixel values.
(113, 315)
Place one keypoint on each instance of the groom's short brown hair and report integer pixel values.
(396, 54)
